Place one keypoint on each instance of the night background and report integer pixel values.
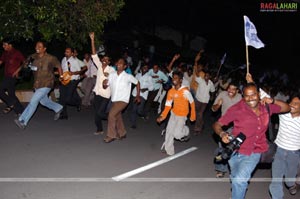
(221, 24)
(216, 26)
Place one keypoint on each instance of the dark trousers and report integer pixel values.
(137, 110)
(8, 94)
(200, 108)
(101, 113)
(69, 96)
(150, 101)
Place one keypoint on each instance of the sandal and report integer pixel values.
(7, 109)
(220, 174)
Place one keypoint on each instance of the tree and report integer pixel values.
(69, 21)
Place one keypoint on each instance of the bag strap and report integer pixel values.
(269, 124)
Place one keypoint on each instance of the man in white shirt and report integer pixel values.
(68, 92)
(89, 80)
(146, 85)
(287, 156)
(158, 78)
(120, 85)
(102, 96)
(204, 90)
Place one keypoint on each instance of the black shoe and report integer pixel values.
(133, 126)
(8, 109)
(185, 139)
(20, 124)
(63, 117)
(78, 108)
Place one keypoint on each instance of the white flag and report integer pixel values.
(251, 34)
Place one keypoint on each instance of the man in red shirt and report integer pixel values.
(249, 116)
(12, 60)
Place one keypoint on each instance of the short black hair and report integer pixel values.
(42, 42)
(178, 73)
(234, 83)
(8, 40)
(251, 84)
(125, 61)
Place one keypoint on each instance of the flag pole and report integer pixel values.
(247, 59)
(219, 70)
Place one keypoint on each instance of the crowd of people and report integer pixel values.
(174, 92)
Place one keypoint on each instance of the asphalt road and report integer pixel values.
(64, 160)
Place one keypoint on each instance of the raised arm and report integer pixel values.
(198, 57)
(170, 66)
(92, 36)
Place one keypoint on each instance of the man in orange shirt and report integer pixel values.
(181, 98)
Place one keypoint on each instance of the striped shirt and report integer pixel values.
(288, 136)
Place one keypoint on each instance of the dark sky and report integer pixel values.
(221, 24)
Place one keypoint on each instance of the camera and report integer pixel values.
(234, 144)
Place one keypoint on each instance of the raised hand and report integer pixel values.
(92, 35)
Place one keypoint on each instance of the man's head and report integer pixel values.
(295, 105)
(232, 89)
(155, 68)
(87, 56)
(40, 47)
(7, 44)
(177, 78)
(145, 69)
(251, 95)
(121, 64)
(69, 52)
(75, 53)
(207, 76)
(105, 60)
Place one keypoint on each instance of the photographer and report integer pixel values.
(251, 117)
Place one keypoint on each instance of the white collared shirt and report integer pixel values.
(145, 82)
(75, 65)
(161, 76)
(120, 86)
(98, 89)
(204, 89)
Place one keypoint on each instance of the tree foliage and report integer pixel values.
(69, 21)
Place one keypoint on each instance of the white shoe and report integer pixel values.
(99, 133)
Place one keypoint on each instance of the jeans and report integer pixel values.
(241, 167)
(285, 164)
(222, 167)
(40, 96)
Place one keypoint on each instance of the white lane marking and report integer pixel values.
(208, 180)
(154, 164)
